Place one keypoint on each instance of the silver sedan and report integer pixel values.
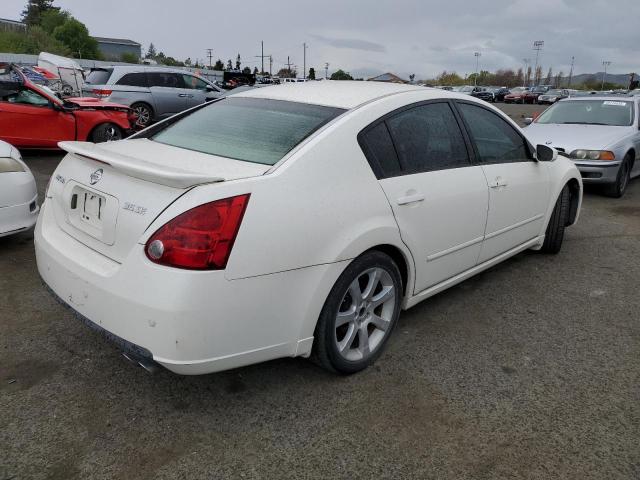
(600, 133)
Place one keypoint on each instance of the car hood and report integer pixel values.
(95, 103)
(572, 137)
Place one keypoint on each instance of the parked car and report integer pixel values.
(154, 93)
(516, 95)
(499, 93)
(601, 134)
(479, 92)
(18, 195)
(532, 95)
(32, 116)
(294, 220)
(553, 95)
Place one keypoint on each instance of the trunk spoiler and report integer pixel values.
(151, 172)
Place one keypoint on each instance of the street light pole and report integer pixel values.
(537, 46)
(477, 55)
(605, 64)
(525, 75)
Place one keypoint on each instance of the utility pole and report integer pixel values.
(210, 55)
(526, 61)
(289, 66)
(571, 72)
(262, 56)
(477, 55)
(605, 64)
(537, 46)
(304, 60)
(270, 64)
(326, 70)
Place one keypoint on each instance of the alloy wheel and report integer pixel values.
(365, 314)
(143, 114)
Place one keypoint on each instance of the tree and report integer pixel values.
(312, 74)
(547, 81)
(286, 73)
(558, 79)
(412, 77)
(449, 78)
(187, 62)
(32, 42)
(229, 65)
(255, 70)
(527, 77)
(75, 36)
(31, 15)
(53, 18)
(520, 77)
(341, 75)
(537, 75)
(238, 62)
(151, 51)
(219, 66)
(246, 70)
(129, 57)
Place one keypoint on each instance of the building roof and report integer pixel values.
(117, 41)
(12, 22)
(332, 93)
(387, 77)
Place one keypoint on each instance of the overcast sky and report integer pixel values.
(367, 37)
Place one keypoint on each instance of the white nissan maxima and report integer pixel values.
(18, 193)
(295, 220)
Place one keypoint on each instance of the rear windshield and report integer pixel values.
(98, 77)
(249, 129)
(590, 112)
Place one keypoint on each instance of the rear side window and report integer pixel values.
(428, 138)
(249, 129)
(133, 80)
(378, 147)
(495, 139)
(166, 79)
(99, 76)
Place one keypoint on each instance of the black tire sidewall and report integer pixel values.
(98, 135)
(325, 330)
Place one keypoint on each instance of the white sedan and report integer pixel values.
(18, 194)
(295, 220)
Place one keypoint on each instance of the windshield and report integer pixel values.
(249, 129)
(589, 112)
(517, 90)
(554, 92)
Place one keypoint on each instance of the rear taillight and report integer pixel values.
(200, 238)
(101, 92)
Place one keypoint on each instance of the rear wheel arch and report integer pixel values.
(398, 258)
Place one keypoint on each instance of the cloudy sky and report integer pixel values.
(367, 37)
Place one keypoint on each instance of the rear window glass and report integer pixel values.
(98, 77)
(249, 129)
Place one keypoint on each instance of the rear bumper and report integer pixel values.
(599, 173)
(18, 218)
(189, 322)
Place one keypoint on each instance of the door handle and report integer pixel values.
(498, 182)
(409, 199)
(183, 95)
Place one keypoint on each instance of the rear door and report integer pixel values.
(27, 119)
(169, 93)
(438, 197)
(518, 184)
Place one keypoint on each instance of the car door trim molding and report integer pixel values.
(514, 226)
(457, 248)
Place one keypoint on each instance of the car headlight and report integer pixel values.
(593, 155)
(10, 165)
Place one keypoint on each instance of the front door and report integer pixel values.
(518, 184)
(439, 199)
(169, 93)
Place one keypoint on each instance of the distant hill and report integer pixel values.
(619, 78)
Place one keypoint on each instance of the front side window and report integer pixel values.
(589, 112)
(495, 139)
(24, 96)
(428, 138)
(249, 129)
(194, 82)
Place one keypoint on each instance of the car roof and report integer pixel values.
(341, 93)
(143, 68)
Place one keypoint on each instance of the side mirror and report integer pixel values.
(528, 121)
(546, 154)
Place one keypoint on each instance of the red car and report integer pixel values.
(516, 95)
(32, 116)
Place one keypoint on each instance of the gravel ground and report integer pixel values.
(529, 370)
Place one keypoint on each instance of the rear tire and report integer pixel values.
(144, 113)
(107, 132)
(617, 189)
(359, 314)
(554, 234)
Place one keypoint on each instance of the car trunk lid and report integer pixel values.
(107, 195)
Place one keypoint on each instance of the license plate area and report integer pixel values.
(91, 211)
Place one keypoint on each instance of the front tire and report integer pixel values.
(107, 132)
(359, 314)
(617, 189)
(554, 234)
